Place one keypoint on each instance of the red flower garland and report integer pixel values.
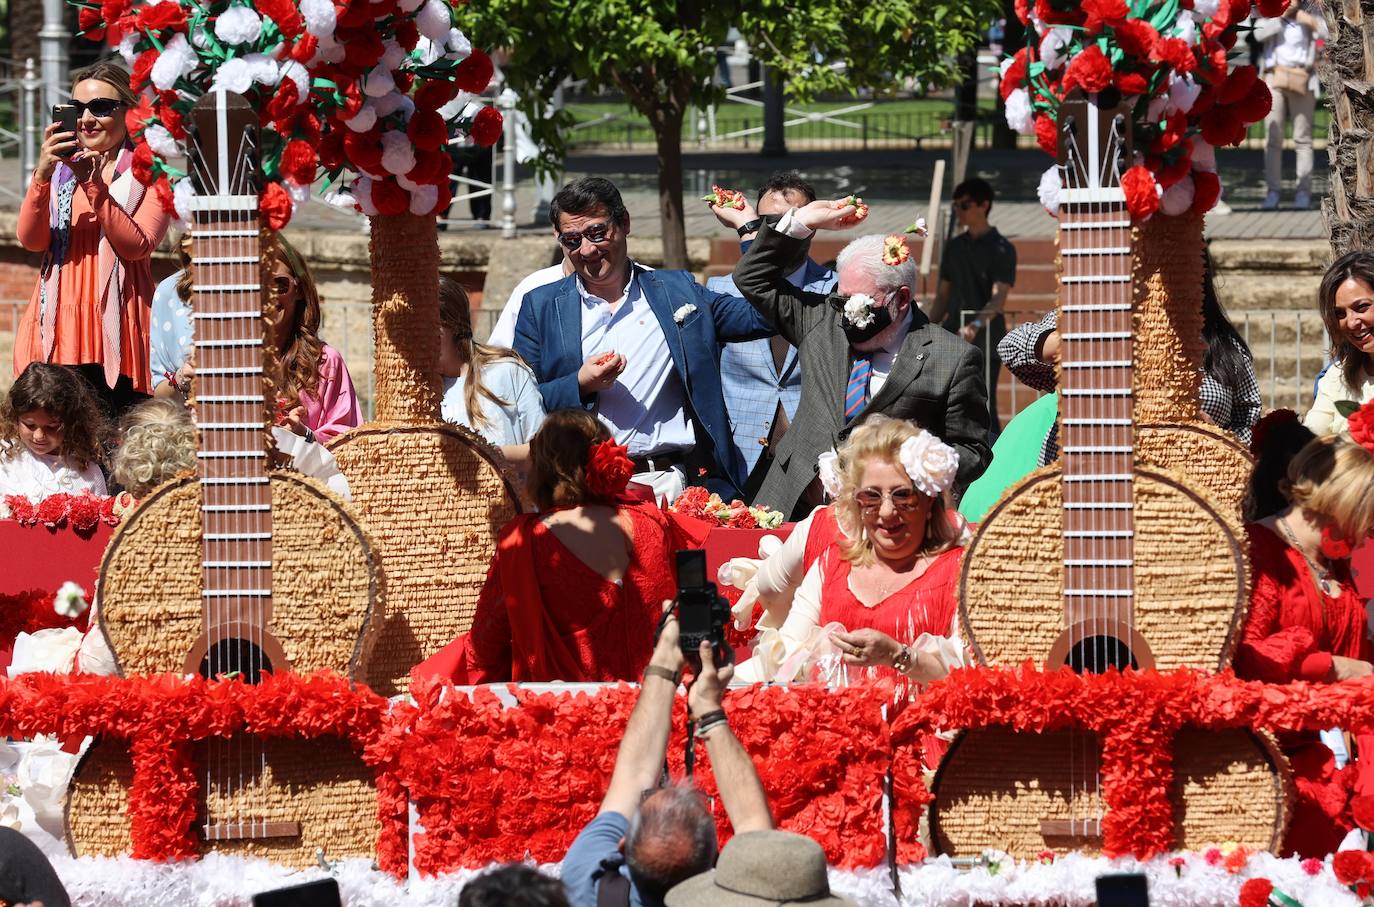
(31, 611)
(83, 512)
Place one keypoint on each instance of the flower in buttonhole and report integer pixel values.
(858, 310)
(828, 470)
(70, 600)
(681, 313)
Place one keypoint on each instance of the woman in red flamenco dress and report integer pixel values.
(575, 591)
(1306, 621)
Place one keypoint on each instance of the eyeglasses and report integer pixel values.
(282, 285)
(596, 234)
(904, 499)
(99, 107)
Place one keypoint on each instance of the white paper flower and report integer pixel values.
(70, 600)
(393, 54)
(1020, 115)
(299, 76)
(1048, 190)
(1183, 92)
(344, 199)
(931, 463)
(1204, 156)
(680, 315)
(233, 75)
(182, 193)
(434, 20)
(391, 103)
(459, 47)
(1178, 198)
(398, 154)
(455, 107)
(362, 192)
(319, 16)
(1185, 27)
(828, 470)
(178, 58)
(423, 199)
(364, 119)
(127, 45)
(264, 69)
(238, 25)
(378, 82)
(161, 141)
(329, 51)
(1206, 9)
(1054, 45)
(858, 310)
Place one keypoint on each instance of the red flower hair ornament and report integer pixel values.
(1360, 424)
(608, 469)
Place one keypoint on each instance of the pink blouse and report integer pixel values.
(333, 408)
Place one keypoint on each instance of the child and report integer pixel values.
(157, 443)
(52, 435)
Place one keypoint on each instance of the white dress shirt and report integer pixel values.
(646, 407)
(503, 334)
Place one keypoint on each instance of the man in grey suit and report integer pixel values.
(865, 349)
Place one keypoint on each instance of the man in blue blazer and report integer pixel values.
(639, 348)
(761, 379)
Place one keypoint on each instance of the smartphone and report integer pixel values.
(1123, 890)
(324, 893)
(66, 116)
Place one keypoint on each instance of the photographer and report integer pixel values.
(648, 837)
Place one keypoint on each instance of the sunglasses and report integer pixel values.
(99, 107)
(904, 499)
(596, 234)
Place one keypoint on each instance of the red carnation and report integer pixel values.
(143, 68)
(1255, 893)
(741, 518)
(407, 34)
(163, 190)
(1047, 134)
(107, 512)
(1206, 191)
(426, 130)
(1131, 83)
(1256, 104)
(692, 502)
(91, 23)
(52, 510)
(1053, 14)
(162, 16)
(431, 168)
(285, 14)
(1102, 12)
(608, 469)
(362, 48)
(171, 118)
(1360, 425)
(1142, 196)
(1222, 126)
(305, 48)
(389, 197)
(364, 150)
(1023, 11)
(1136, 38)
(282, 105)
(474, 73)
(275, 206)
(1089, 70)
(1361, 808)
(21, 509)
(84, 512)
(1170, 134)
(298, 162)
(1350, 866)
(332, 148)
(1272, 8)
(1236, 84)
(486, 127)
(143, 161)
(1176, 54)
(1015, 74)
(308, 128)
(136, 118)
(1172, 173)
(435, 94)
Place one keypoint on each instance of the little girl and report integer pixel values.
(52, 435)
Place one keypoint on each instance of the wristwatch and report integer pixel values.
(750, 227)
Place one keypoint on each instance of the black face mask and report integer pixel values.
(882, 318)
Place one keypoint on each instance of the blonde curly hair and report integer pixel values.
(157, 443)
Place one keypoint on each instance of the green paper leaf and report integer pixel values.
(1347, 408)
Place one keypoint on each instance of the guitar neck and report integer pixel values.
(1097, 402)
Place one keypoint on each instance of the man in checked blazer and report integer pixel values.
(879, 353)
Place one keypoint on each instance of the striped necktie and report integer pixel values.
(856, 394)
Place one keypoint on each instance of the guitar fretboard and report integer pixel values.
(1097, 402)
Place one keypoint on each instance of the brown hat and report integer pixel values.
(761, 867)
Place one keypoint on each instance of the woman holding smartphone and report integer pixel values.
(97, 227)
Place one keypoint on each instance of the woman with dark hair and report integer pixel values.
(97, 228)
(1229, 395)
(1346, 302)
(1276, 440)
(576, 590)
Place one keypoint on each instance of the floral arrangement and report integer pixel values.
(1168, 59)
(83, 512)
(725, 198)
(358, 85)
(699, 503)
(38, 609)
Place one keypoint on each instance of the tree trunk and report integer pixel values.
(25, 19)
(1348, 79)
(405, 319)
(668, 135)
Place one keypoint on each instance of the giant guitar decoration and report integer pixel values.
(1140, 548)
(287, 580)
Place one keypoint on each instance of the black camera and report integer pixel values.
(701, 611)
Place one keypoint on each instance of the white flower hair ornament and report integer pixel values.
(931, 463)
(828, 469)
(859, 310)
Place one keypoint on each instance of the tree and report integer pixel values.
(661, 55)
(1349, 205)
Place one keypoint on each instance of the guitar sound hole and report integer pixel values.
(236, 659)
(1098, 654)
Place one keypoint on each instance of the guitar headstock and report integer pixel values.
(1094, 139)
(223, 146)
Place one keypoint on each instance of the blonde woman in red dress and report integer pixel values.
(883, 563)
(1307, 622)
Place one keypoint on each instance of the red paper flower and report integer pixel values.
(162, 16)
(426, 129)
(1235, 860)
(362, 46)
(285, 14)
(363, 150)
(1102, 13)
(91, 23)
(1255, 893)
(486, 126)
(1015, 74)
(136, 118)
(1222, 126)
(473, 75)
(407, 34)
(389, 197)
(107, 512)
(1089, 69)
(304, 49)
(1213, 856)
(1136, 38)
(1047, 134)
(84, 512)
(143, 68)
(162, 190)
(1351, 866)
(1176, 53)
(1360, 425)
(608, 469)
(1206, 191)
(298, 162)
(1312, 866)
(142, 165)
(1142, 195)
(1256, 104)
(1273, 8)
(274, 204)
(21, 509)
(52, 511)
(171, 118)
(435, 94)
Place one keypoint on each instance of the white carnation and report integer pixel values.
(378, 82)
(858, 310)
(233, 75)
(1054, 45)
(428, 51)
(1020, 116)
(161, 141)
(127, 45)
(393, 54)
(1204, 156)
(362, 191)
(1178, 198)
(299, 76)
(182, 193)
(1048, 191)
(342, 199)
(931, 464)
(364, 119)
(319, 16)
(1185, 27)
(264, 68)
(70, 600)
(423, 199)
(828, 470)
(459, 47)
(455, 107)
(1183, 92)
(178, 58)
(1004, 66)
(392, 102)
(434, 20)
(238, 25)
(398, 155)
(1206, 9)
(328, 51)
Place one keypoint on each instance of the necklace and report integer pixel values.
(1321, 574)
(902, 578)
